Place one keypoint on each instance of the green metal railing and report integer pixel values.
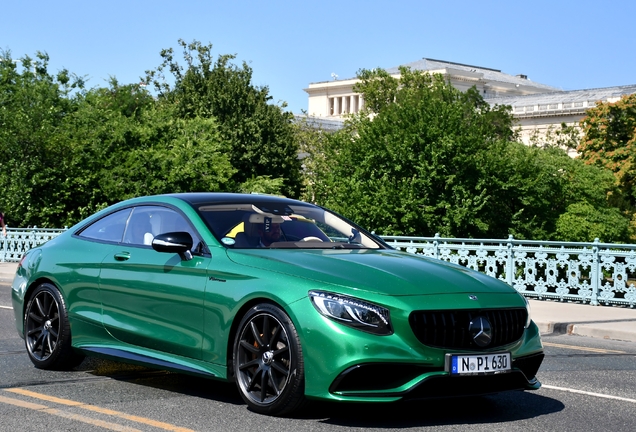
(19, 240)
(594, 273)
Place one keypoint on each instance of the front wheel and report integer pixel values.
(268, 362)
(47, 332)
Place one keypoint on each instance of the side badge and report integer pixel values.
(228, 241)
(472, 297)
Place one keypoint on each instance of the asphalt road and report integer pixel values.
(589, 384)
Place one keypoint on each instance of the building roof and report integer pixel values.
(488, 74)
(597, 94)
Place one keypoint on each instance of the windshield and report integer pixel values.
(288, 226)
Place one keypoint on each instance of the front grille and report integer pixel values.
(450, 329)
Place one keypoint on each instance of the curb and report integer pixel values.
(597, 330)
(555, 328)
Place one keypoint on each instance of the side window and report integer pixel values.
(139, 230)
(146, 222)
(173, 221)
(109, 228)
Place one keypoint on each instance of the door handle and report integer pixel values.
(122, 256)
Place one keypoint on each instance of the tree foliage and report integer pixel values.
(609, 141)
(311, 140)
(422, 157)
(411, 163)
(131, 146)
(33, 106)
(68, 151)
(582, 222)
(565, 136)
(426, 158)
(258, 134)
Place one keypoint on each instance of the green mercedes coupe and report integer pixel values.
(287, 299)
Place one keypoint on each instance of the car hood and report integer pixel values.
(387, 272)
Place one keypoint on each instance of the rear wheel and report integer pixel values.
(47, 332)
(268, 362)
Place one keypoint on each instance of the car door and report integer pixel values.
(79, 268)
(152, 299)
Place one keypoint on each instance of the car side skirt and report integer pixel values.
(156, 360)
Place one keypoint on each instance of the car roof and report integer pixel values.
(198, 198)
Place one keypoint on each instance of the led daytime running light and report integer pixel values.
(352, 312)
(529, 309)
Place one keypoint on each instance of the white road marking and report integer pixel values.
(5, 307)
(600, 395)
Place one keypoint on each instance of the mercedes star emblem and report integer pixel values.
(479, 328)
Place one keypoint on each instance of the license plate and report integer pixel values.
(481, 364)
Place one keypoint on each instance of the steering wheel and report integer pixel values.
(311, 238)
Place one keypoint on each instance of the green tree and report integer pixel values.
(125, 145)
(609, 140)
(541, 191)
(411, 164)
(564, 137)
(582, 222)
(427, 158)
(67, 151)
(33, 105)
(257, 132)
(311, 140)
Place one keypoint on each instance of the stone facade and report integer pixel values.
(541, 113)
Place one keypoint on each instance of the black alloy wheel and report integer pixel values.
(268, 362)
(47, 332)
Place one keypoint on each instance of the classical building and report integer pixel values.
(537, 114)
(538, 108)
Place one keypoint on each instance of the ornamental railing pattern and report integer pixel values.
(20, 240)
(594, 273)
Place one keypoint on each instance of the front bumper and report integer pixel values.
(406, 381)
(345, 364)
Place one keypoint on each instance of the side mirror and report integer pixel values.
(174, 242)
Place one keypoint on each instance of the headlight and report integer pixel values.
(529, 319)
(352, 312)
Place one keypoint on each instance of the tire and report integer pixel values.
(268, 362)
(47, 332)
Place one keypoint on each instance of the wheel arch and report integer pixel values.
(28, 293)
(237, 321)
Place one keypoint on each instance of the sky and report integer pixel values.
(567, 44)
